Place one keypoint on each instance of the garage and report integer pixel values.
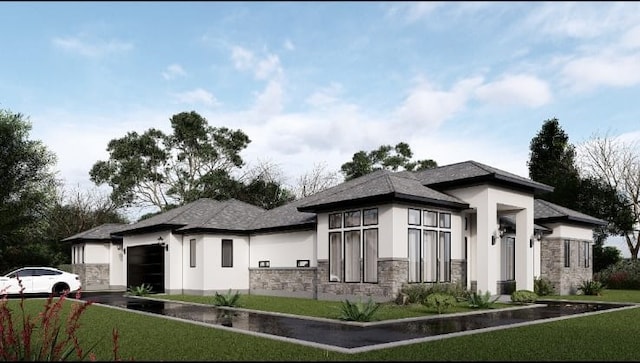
(145, 265)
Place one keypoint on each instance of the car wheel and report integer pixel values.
(60, 288)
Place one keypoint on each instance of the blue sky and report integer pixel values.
(315, 82)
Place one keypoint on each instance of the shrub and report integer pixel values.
(417, 293)
(622, 275)
(142, 290)
(543, 286)
(228, 299)
(590, 287)
(43, 337)
(524, 297)
(440, 302)
(358, 311)
(477, 300)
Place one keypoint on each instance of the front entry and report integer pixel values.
(145, 265)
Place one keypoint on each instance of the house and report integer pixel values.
(467, 223)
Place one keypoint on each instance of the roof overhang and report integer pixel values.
(383, 198)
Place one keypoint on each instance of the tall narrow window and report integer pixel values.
(335, 256)
(352, 256)
(508, 258)
(587, 254)
(192, 253)
(567, 253)
(430, 256)
(82, 253)
(444, 257)
(445, 220)
(370, 255)
(414, 255)
(227, 253)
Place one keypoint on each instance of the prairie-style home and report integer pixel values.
(465, 223)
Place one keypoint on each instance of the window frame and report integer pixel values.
(229, 243)
(567, 253)
(349, 216)
(192, 252)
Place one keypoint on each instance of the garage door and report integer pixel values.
(145, 265)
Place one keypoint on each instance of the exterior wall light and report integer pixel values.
(162, 243)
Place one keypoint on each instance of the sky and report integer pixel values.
(311, 83)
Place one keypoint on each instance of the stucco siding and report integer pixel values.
(283, 249)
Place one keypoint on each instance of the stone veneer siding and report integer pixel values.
(290, 281)
(93, 276)
(564, 279)
(392, 274)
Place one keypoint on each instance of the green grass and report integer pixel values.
(319, 309)
(609, 336)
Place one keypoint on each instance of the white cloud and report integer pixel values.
(325, 96)
(429, 107)
(173, 71)
(86, 48)
(270, 101)
(519, 89)
(262, 68)
(413, 11)
(195, 96)
(592, 71)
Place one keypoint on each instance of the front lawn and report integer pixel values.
(602, 337)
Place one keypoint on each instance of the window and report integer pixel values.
(370, 217)
(264, 263)
(414, 217)
(429, 250)
(430, 256)
(370, 255)
(352, 256)
(335, 220)
(445, 220)
(192, 253)
(430, 218)
(586, 254)
(508, 259)
(352, 219)
(82, 254)
(227, 253)
(567, 253)
(303, 263)
(414, 255)
(335, 256)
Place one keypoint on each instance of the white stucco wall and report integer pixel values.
(488, 202)
(97, 252)
(216, 277)
(572, 232)
(283, 249)
(116, 278)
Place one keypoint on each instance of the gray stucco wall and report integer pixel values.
(93, 276)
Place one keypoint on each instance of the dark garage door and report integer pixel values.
(145, 265)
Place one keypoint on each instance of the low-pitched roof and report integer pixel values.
(101, 232)
(547, 212)
(472, 172)
(379, 186)
(202, 214)
(285, 216)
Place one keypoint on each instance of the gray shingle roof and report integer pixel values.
(473, 171)
(377, 186)
(101, 232)
(203, 213)
(549, 212)
(284, 216)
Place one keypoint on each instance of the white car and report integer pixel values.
(39, 280)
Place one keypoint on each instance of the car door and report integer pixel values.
(43, 280)
(14, 280)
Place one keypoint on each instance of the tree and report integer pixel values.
(154, 169)
(552, 162)
(75, 212)
(616, 163)
(316, 180)
(27, 189)
(385, 157)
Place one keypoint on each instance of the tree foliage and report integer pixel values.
(552, 162)
(316, 180)
(385, 157)
(27, 189)
(616, 164)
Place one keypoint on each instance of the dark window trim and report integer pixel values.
(364, 255)
(420, 235)
(567, 253)
(424, 219)
(440, 214)
(339, 220)
(303, 263)
(363, 216)
(229, 242)
(424, 262)
(359, 218)
(450, 259)
(264, 264)
(344, 255)
(192, 252)
(340, 248)
(409, 216)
